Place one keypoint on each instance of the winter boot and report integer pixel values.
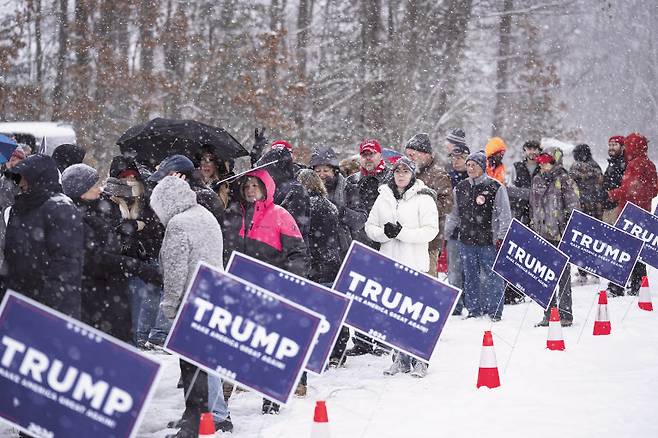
(270, 407)
(225, 425)
(542, 323)
(420, 370)
(227, 389)
(300, 391)
(358, 350)
(398, 367)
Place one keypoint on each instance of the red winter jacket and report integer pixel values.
(272, 234)
(639, 184)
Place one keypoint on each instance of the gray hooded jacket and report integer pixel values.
(192, 235)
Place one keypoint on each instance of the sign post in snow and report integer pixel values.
(244, 333)
(530, 263)
(393, 303)
(62, 378)
(641, 224)
(600, 248)
(331, 304)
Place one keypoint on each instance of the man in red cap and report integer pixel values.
(372, 173)
(639, 185)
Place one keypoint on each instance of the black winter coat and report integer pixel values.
(324, 240)
(368, 189)
(612, 178)
(105, 296)
(345, 197)
(588, 177)
(44, 239)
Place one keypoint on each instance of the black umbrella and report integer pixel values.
(153, 141)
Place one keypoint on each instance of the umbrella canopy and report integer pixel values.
(7, 147)
(390, 155)
(153, 141)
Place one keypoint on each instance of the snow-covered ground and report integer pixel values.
(601, 386)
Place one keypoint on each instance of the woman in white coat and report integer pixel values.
(404, 219)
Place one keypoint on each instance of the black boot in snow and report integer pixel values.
(270, 407)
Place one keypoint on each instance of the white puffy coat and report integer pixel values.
(416, 211)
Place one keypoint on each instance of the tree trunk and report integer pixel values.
(502, 70)
(60, 70)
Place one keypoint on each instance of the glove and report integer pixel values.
(392, 229)
(150, 274)
(499, 243)
(259, 143)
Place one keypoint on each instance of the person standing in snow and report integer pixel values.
(141, 234)
(66, 155)
(256, 226)
(518, 189)
(588, 176)
(180, 164)
(639, 185)
(404, 220)
(44, 238)
(372, 174)
(343, 195)
(326, 235)
(289, 193)
(554, 195)
(458, 156)
(611, 180)
(482, 213)
(456, 138)
(419, 149)
(8, 191)
(192, 235)
(105, 299)
(495, 151)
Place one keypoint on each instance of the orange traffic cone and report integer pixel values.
(320, 427)
(602, 323)
(555, 340)
(645, 296)
(206, 425)
(488, 372)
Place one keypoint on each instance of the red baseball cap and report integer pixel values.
(544, 159)
(617, 139)
(371, 146)
(282, 144)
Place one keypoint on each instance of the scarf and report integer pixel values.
(380, 168)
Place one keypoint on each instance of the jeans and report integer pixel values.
(161, 329)
(483, 289)
(455, 270)
(145, 299)
(216, 402)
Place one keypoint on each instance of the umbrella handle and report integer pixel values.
(231, 178)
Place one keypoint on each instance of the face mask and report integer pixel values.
(136, 187)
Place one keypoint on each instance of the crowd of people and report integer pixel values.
(118, 253)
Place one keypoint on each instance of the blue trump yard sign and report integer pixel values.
(393, 303)
(640, 223)
(62, 378)
(331, 304)
(600, 248)
(244, 333)
(530, 263)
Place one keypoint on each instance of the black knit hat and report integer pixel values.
(66, 155)
(323, 157)
(420, 142)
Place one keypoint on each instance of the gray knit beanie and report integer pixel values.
(78, 179)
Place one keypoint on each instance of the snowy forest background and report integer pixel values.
(336, 71)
